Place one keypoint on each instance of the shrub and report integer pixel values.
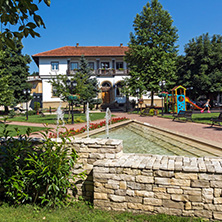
(11, 113)
(39, 174)
(91, 106)
(79, 120)
(36, 106)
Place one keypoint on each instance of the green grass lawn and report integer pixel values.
(199, 117)
(22, 129)
(51, 119)
(80, 212)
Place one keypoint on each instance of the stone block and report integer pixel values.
(188, 206)
(194, 198)
(152, 201)
(217, 215)
(142, 193)
(127, 177)
(192, 191)
(159, 189)
(217, 192)
(173, 204)
(120, 192)
(139, 206)
(163, 173)
(122, 185)
(100, 196)
(163, 181)
(205, 176)
(180, 182)
(203, 213)
(117, 198)
(179, 197)
(200, 183)
(216, 184)
(103, 190)
(218, 200)
(118, 206)
(169, 211)
(165, 196)
(134, 199)
(189, 176)
(130, 193)
(144, 179)
(174, 191)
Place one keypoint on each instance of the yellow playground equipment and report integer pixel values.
(178, 99)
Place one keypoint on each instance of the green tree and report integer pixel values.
(152, 51)
(87, 87)
(19, 19)
(201, 66)
(6, 94)
(15, 65)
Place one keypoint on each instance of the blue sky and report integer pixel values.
(108, 23)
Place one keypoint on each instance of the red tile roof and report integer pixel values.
(85, 50)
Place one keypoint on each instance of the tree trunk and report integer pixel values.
(84, 107)
(6, 110)
(152, 99)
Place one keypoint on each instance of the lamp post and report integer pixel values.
(137, 93)
(162, 84)
(26, 92)
(71, 85)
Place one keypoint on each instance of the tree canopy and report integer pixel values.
(152, 51)
(201, 66)
(19, 19)
(14, 71)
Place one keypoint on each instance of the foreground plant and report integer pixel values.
(37, 173)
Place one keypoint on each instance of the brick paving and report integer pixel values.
(201, 131)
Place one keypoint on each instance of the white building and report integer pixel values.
(106, 62)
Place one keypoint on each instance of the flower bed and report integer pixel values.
(93, 126)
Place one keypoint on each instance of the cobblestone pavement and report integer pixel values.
(212, 134)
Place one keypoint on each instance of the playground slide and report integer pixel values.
(189, 101)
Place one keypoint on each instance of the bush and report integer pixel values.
(36, 106)
(31, 112)
(38, 174)
(11, 113)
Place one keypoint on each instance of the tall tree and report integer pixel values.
(6, 93)
(152, 51)
(15, 65)
(19, 19)
(201, 66)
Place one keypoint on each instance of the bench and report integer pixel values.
(183, 114)
(217, 120)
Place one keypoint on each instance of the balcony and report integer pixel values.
(102, 72)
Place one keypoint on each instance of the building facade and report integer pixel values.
(106, 62)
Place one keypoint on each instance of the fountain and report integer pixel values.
(87, 119)
(60, 116)
(108, 118)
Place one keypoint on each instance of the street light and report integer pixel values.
(162, 84)
(26, 92)
(137, 95)
(71, 85)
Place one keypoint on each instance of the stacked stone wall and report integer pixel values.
(89, 151)
(160, 184)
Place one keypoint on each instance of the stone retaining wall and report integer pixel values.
(89, 151)
(160, 184)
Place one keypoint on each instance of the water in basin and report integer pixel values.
(142, 139)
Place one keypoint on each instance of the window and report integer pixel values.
(54, 66)
(91, 65)
(74, 65)
(104, 65)
(119, 65)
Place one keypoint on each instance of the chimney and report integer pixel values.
(77, 45)
(121, 45)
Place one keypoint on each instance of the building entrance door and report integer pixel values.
(106, 97)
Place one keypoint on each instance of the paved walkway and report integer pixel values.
(197, 130)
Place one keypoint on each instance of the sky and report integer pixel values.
(108, 23)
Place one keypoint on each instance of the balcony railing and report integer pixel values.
(102, 72)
